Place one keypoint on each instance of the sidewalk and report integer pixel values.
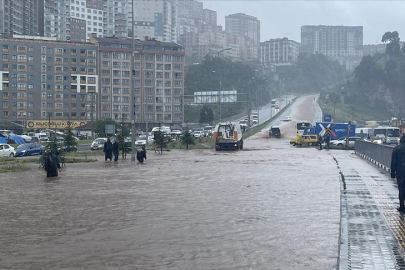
(372, 230)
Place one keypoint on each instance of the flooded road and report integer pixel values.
(271, 206)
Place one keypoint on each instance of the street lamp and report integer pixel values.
(132, 90)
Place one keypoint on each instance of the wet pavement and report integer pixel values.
(270, 206)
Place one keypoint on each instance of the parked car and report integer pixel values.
(142, 140)
(198, 134)
(341, 142)
(7, 150)
(98, 144)
(29, 149)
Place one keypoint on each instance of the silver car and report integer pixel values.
(6, 150)
(98, 144)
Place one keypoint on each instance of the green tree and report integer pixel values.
(160, 140)
(393, 46)
(124, 147)
(187, 139)
(206, 115)
(69, 139)
(100, 126)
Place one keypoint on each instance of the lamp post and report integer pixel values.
(220, 84)
(132, 96)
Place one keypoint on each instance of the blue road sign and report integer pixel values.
(327, 118)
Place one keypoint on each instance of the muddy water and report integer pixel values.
(271, 206)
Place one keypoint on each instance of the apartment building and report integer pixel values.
(44, 79)
(279, 51)
(342, 43)
(248, 27)
(158, 78)
(210, 17)
(21, 17)
(155, 19)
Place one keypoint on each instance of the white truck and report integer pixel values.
(228, 136)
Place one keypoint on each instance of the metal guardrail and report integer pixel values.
(376, 153)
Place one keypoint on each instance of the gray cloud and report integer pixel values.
(285, 18)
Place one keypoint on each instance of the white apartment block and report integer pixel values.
(280, 51)
(76, 20)
(154, 19)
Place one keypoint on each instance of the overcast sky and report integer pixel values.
(280, 19)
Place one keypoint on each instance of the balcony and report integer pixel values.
(73, 99)
(58, 71)
(5, 78)
(5, 116)
(5, 107)
(43, 71)
(5, 50)
(73, 54)
(73, 71)
(22, 98)
(5, 87)
(73, 117)
(5, 60)
(74, 81)
(21, 108)
(43, 99)
(91, 82)
(43, 80)
(83, 54)
(82, 90)
(74, 109)
(58, 117)
(58, 62)
(58, 90)
(91, 64)
(43, 89)
(73, 90)
(82, 108)
(21, 117)
(83, 72)
(91, 55)
(58, 99)
(73, 63)
(91, 91)
(22, 51)
(43, 61)
(5, 97)
(58, 81)
(82, 81)
(5, 69)
(58, 53)
(22, 89)
(82, 117)
(21, 70)
(22, 79)
(43, 109)
(58, 108)
(82, 63)
(20, 60)
(91, 73)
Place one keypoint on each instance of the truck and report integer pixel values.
(228, 136)
(337, 130)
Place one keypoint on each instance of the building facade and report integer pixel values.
(279, 51)
(155, 19)
(210, 17)
(248, 27)
(45, 79)
(75, 20)
(21, 17)
(158, 79)
(342, 43)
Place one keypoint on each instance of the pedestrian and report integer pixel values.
(327, 138)
(320, 141)
(50, 163)
(108, 147)
(141, 154)
(398, 171)
(115, 150)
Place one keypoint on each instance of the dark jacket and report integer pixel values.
(115, 147)
(398, 161)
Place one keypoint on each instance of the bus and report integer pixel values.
(302, 125)
(390, 134)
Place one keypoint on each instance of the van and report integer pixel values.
(304, 139)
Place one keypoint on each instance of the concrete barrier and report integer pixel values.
(378, 154)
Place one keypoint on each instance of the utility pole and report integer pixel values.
(132, 90)
(220, 84)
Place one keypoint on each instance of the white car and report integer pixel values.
(6, 150)
(341, 142)
(98, 144)
(142, 140)
(287, 118)
(198, 134)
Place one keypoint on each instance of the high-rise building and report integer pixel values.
(21, 17)
(209, 17)
(279, 51)
(158, 80)
(342, 43)
(154, 19)
(77, 20)
(190, 14)
(248, 27)
(42, 79)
